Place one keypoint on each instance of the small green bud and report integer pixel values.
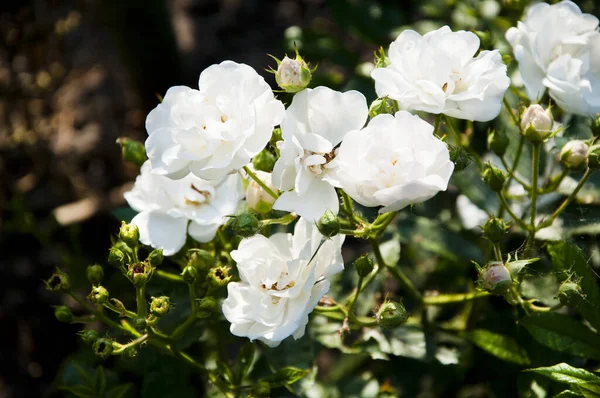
(329, 224)
(498, 142)
(594, 157)
(94, 274)
(494, 177)
(201, 259)
(536, 123)
(88, 336)
(264, 161)
(381, 61)
(206, 307)
(140, 273)
(391, 314)
(494, 229)
(104, 347)
(245, 224)
(495, 278)
(292, 75)
(130, 234)
(261, 389)
(63, 314)
(574, 154)
(381, 106)
(218, 276)
(569, 293)
(140, 323)
(276, 137)
(116, 257)
(58, 282)
(155, 258)
(133, 151)
(98, 295)
(363, 265)
(189, 274)
(160, 306)
(130, 352)
(459, 157)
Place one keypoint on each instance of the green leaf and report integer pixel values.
(568, 394)
(118, 391)
(564, 334)
(85, 376)
(99, 381)
(565, 373)
(571, 263)
(287, 375)
(589, 389)
(503, 347)
(124, 214)
(81, 391)
(244, 360)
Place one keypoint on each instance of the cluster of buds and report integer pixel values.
(292, 74)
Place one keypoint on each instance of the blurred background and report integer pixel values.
(76, 75)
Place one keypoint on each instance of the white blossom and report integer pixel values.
(558, 48)
(215, 130)
(395, 161)
(256, 197)
(437, 73)
(314, 124)
(279, 284)
(165, 207)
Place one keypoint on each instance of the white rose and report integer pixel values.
(165, 207)
(257, 198)
(437, 73)
(215, 130)
(558, 47)
(395, 161)
(279, 287)
(315, 122)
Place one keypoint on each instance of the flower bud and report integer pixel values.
(498, 142)
(58, 282)
(391, 314)
(495, 278)
(381, 106)
(140, 273)
(245, 224)
(292, 75)
(574, 154)
(329, 224)
(569, 293)
(160, 306)
(156, 257)
(140, 323)
(201, 259)
(261, 389)
(381, 61)
(104, 347)
(88, 336)
(264, 161)
(130, 234)
(494, 177)
(94, 274)
(133, 151)
(594, 157)
(130, 352)
(494, 229)
(98, 295)
(206, 307)
(276, 137)
(63, 314)
(189, 274)
(116, 257)
(363, 265)
(257, 198)
(459, 157)
(218, 276)
(536, 123)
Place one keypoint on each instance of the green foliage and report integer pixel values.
(503, 347)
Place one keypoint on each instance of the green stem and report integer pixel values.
(436, 125)
(355, 296)
(554, 183)
(260, 183)
(535, 167)
(513, 174)
(132, 343)
(506, 206)
(285, 220)
(514, 117)
(103, 318)
(497, 252)
(168, 276)
(515, 164)
(443, 299)
(349, 208)
(395, 271)
(453, 131)
(140, 298)
(127, 313)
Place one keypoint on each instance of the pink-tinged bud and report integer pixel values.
(536, 123)
(574, 154)
(495, 278)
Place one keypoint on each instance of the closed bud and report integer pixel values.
(88, 336)
(494, 229)
(133, 151)
(574, 154)
(264, 161)
(245, 224)
(189, 274)
(130, 352)
(58, 282)
(391, 314)
(459, 157)
(495, 278)
(381, 106)
(98, 295)
(276, 137)
(160, 306)
(201, 259)
(329, 224)
(140, 323)
(494, 177)
(261, 389)
(63, 314)
(536, 123)
(256, 197)
(498, 142)
(218, 276)
(130, 234)
(155, 258)
(381, 61)
(104, 347)
(94, 274)
(363, 265)
(569, 293)
(140, 273)
(116, 257)
(292, 75)
(594, 157)
(206, 307)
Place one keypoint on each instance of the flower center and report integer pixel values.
(198, 196)
(454, 84)
(315, 162)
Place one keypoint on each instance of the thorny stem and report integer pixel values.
(260, 183)
(132, 343)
